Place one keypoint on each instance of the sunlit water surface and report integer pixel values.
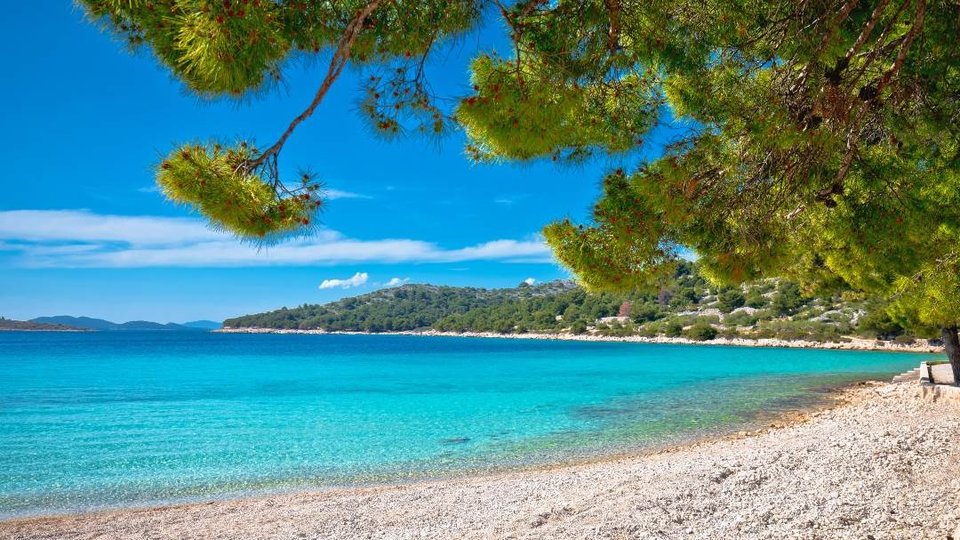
(99, 420)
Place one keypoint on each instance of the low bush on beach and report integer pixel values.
(673, 329)
(618, 330)
(728, 333)
(740, 318)
(578, 327)
(700, 332)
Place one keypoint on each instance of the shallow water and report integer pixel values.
(96, 420)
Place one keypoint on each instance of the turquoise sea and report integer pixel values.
(99, 420)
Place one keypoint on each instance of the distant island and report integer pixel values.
(686, 307)
(31, 326)
(66, 323)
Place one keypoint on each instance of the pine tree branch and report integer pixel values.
(613, 36)
(340, 57)
(857, 127)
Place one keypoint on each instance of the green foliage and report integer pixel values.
(645, 312)
(215, 48)
(684, 297)
(729, 333)
(928, 300)
(600, 255)
(523, 109)
(672, 329)
(561, 306)
(617, 330)
(219, 183)
(755, 298)
(792, 330)
(235, 46)
(740, 318)
(904, 340)
(700, 332)
(410, 307)
(729, 299)
(788, 298)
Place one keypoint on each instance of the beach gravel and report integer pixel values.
(884, 464)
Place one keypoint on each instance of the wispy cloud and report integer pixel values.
(358, 279)
(510, 200)
(530, 281)
(85, 226)
(79, 238)
(340, 194)
(396, 282)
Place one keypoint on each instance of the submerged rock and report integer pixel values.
(455, 440)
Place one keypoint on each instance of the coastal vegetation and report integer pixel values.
(815, 141)
(688, 305)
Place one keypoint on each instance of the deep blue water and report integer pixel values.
(116, 419)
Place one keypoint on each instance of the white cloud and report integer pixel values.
(79, 238)
(85, 226)
(357, 280)
(339, 194)
(529, 281)
(513, 250)
(510, 200)
(396, 282)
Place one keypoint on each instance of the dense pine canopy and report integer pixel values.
(820, 137)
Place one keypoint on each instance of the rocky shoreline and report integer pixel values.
(884, 463)
(855, 344)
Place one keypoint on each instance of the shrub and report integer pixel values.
(904, 340)
(672, 329)
(740, 318)
(684, 297)
(701, 332)
(647, 330)
(878, 324)
(787, 298)
(762, 333)
(620, 330)
(730, 299)
(645, 312)
(755, 299)
(728, 333)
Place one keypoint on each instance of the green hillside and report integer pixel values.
(687, 306)
(410, 307)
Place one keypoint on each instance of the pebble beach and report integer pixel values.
(851, 344)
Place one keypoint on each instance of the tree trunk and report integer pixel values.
(951, 344)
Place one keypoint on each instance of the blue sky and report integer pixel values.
(83, 231)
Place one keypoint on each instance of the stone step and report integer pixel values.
(908, 376)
